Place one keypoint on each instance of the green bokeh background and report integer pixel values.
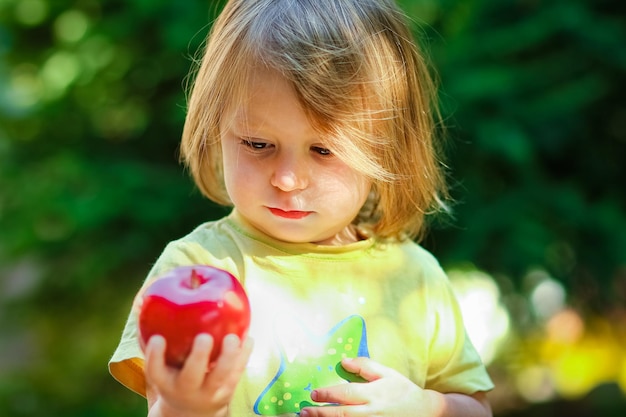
(92, 102)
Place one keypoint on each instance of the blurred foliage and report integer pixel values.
(92, 101)
(535, 90)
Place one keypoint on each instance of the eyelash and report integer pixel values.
(254, 145)
(324, 152)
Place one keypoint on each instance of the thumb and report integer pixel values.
(366, 368)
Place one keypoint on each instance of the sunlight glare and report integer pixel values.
(486, 319)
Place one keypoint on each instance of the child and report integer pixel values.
(314, 120)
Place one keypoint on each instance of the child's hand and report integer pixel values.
(389, 393)
(194, 390)
(386, 393)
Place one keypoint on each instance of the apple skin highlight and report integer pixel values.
(189, 300)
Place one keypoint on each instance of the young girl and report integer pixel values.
(314, 120)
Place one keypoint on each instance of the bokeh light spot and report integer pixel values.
(548, 298)
(71, 26)
(565, 327)
(24, 88)
(486, 319)
(535, 384)
(31, 12)
(59, 71)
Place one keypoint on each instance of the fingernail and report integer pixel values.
(157, 341)
(231, 339)
(314, 395)
(203, 339)
(304, 413)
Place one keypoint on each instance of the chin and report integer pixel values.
(294, 237)
(289, 231)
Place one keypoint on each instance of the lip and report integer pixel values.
(290, 214)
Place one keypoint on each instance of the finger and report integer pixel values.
(353, 393)
(231, 363)
(195, 367)
(230, 348)
(154, 366)
(365, 368)
(231, 357)
(246, 351)
(238, 366)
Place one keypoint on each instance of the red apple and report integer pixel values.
(189, 300)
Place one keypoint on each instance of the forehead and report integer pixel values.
(269, 104)
(262, 90)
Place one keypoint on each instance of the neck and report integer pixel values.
(348, 235)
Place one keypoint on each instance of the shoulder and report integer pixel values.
(419, 252)
(419, 259)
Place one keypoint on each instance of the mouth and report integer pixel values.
(291, 214)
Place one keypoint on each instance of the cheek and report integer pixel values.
(240, 174)
(232, 171)
(364, 186)
(347, 186)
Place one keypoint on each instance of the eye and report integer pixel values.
(253, 144)
(322, 151)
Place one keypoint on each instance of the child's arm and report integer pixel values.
(192, 391)
(389, 393)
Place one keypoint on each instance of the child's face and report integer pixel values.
(280, 176)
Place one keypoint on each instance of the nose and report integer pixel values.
(290, 174)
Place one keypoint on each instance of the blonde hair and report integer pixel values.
(361, 78)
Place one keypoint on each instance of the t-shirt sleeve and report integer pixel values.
(126, 364)
(454, 363)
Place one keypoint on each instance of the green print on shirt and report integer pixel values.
(308, 362)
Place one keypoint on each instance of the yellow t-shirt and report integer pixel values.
(312, 305)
